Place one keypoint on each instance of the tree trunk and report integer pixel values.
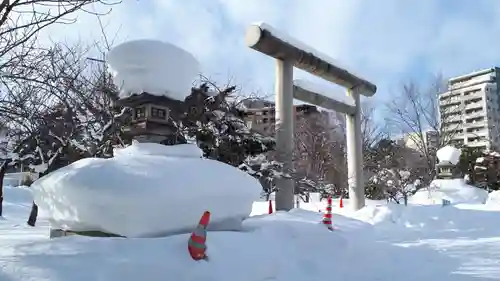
(3, 169)
(34, 208)
(33, 214)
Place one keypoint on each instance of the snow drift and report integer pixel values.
(144, 192)
(450, 243)
(454, 190)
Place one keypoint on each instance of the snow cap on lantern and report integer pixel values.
(153, 67)
(449, 154)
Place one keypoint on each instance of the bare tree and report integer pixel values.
(416, 111)
(371, 131)
(22, 20)
(319, 152)
(3, 169)
(60, 110)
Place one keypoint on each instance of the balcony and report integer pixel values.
(448, 101)
(474, 105)
(478, 131)
(455, 135)
(474, 114)
(476, 94)
(448, 95)
(475, 123)
(481, 143)
(451, 118)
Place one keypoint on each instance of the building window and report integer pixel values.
(158, 113)
(140, 112)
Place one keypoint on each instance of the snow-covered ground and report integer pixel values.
(380, 242)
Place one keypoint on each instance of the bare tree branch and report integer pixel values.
(415, 111)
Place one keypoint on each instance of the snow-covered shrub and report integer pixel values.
(215, 122)
(390, 176)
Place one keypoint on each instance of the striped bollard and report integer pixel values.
(327, 218)
(197, 242)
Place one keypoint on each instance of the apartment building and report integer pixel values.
(470, 109)
(259, 115)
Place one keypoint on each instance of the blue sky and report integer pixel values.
(386, 41)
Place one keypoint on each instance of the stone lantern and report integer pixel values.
(151, 118)
(154, 78)
(446, 168)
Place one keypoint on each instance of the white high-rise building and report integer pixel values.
(469, 110)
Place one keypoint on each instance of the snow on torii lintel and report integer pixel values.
(152, 66)
(325, 91)
(285, 37)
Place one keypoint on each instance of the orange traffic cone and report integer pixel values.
(270, 210)
(341, 204)
(327, 218)
(197, 242)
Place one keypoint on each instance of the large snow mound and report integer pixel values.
(454, 190)
(151, 66)
(139, 194)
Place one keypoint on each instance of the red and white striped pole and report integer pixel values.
(327, 218)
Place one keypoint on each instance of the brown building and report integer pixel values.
(259, 115)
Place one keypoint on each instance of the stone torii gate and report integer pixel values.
(291, 53)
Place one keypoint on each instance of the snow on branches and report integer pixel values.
(214, 120)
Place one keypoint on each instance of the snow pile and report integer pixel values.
(370, 214)
(454, 190)
(374, 212)
(452, 243)
(449, 154)
(493, 199)
(17, 194)
(11, 180)
(155, 67)
(145, 192)
(290, 246)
